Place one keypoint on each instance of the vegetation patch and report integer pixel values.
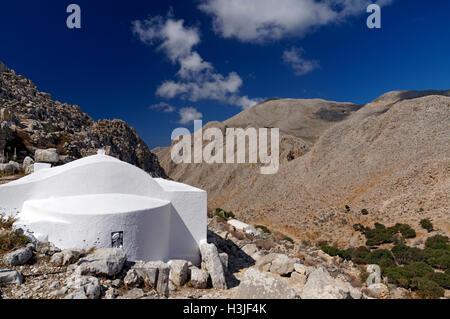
(408, 267)
(426, 224)
(381, 234)
(224, 214)
(12, 240)
(263, 228)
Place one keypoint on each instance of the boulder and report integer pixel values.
(28, 161)
(213, 264)
(66, 257)
(378, 291)
(238, 225)
(9, 168)
(50, 156)
(320, 285)
(11, 277)
(162, 285)
(282, 265)
(84, 288)
(199, 278)
(133, 279)
(19, 257)
(178, 272)
(47, 248)
(250, 249)
(103, 262)
(298, 280)
(300, 268)
(224, 260)
(260, 285)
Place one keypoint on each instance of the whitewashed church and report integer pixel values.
(100, 201)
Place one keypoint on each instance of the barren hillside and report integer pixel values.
(391, 157)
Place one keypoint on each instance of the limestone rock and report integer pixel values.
(162, 285)
(47, 248)
(105, 261)
(84, 288)
(379, 291)
(260, 285)
(199, 278)
(213, 264)
(282, 265)
(178, 272)
(13, 277)
(50, 156)
(320, 285)
(19, 257)
(300, 268)
(133, 279)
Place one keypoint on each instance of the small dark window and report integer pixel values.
(117, 239)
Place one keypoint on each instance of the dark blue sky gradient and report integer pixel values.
(111, 74)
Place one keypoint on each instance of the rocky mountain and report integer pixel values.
(390, 157)
(32, 120)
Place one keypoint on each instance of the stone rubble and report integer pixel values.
(281, 271)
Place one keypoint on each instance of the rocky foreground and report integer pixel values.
(238, 262)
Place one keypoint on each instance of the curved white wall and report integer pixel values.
(80, 204)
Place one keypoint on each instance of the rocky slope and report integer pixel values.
(390, 157)
(31, 120)
(242, 263)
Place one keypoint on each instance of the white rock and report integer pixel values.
(300, 268)
(250, 249)
(50, 155)
(199, 278)
(84, 288)
(238, 225)
(282, 265)
(213, 264)
(260, 285)
(13, 277)
(379, 291)
(178, 272)
(320, 285)
(105, 261)
(19, 257)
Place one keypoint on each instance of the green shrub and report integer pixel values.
(406, 255)
(364, 211)
(333, 251)
(12, 240)
(347, 208)
(402, 275)
(437, 242)
(381, 257)
(359, 255)
(224, 214)
(426, 224)
(427, 289)
(287, 238)
(439, 258)
(380, 234)
(6, 223)
(440, 278)
(263, 228)
(405, 230)
(447, 271)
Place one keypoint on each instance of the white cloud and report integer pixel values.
(196, 78)
(265, 20)
(244, 101)
(301, 66)
(189, 115)
(163, 107)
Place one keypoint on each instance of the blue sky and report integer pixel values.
(127, 58)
